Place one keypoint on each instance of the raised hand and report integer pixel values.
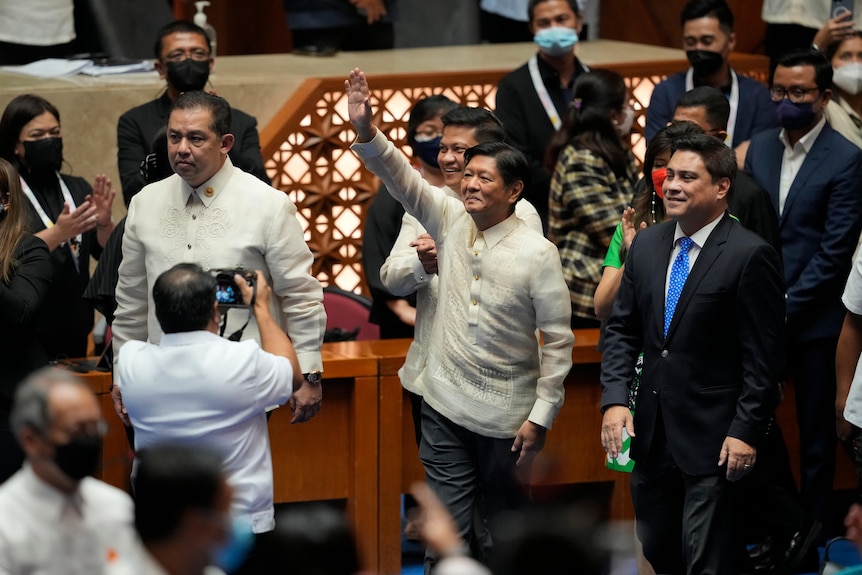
(359, 105)
(374, 9)
(629, 229)
(103, 199)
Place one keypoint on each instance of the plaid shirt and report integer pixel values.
(586, 203)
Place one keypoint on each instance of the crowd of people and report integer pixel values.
(724, 270)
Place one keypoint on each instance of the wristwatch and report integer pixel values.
(313, 377)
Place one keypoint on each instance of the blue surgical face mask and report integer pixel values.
(556, 41)
(795, 116)
(427, 149)
(229, 556)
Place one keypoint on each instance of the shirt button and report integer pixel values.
(422, 278)
(190, 246)
(194, 217)
(664, 353)
(475, 252)
(476, 277)
(475, 302)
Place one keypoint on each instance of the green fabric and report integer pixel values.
(612, 259)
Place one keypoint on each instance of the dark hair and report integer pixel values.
(646, 201)
(808, 57)
(833, 48)
(720, 161)
(512, 164)
(550, 539)
(173, 28)
(217, 107)
(184, 297)
(713, 102)
(13, 221)
(18, 114)
(170, 480)
(30, 408)
(427, 109)
(486, 126)
(588, 122)
(314, 539)
(531, 7)
(717, 9)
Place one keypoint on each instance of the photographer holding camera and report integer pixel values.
(198, 388)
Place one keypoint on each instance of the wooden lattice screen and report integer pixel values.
(307, 147)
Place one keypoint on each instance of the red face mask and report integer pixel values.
(658, 178)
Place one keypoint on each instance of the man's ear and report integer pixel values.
(161, 69)
(517, 190)
(731, 42)
(723, 188)
(227, 143)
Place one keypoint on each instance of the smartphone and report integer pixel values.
(840, 7)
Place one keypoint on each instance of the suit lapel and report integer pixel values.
(772, 164)
(812, 162)
(708, 254)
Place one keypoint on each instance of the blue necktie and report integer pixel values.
(678, 275)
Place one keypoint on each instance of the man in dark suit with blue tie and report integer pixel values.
(814, 179)
(703, 297)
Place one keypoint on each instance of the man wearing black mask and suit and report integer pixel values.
(184, 60)
(708, 39)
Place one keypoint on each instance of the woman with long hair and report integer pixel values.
(72, 217)
(25, 273)
(593, 180)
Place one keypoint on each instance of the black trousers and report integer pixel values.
(473, 475)
(685, 522)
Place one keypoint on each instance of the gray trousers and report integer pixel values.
(473, 475)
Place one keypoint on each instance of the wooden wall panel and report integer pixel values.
(258, 27)
(651, 22)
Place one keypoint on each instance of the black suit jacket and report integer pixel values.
(137, 128)
(819, 226)
(717, 373)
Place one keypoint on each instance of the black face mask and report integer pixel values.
(704, 62)
(80, 457)
(188, 75)
(44, 156)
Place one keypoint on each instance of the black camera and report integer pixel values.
(227, 291)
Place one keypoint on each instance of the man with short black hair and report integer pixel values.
(185, 61)
(532, 100)
(219, 389)
(702, 297)
(708, 39)
(490, 390)
(220, 217)
(814, 178)
(182, 510)
(56, 518)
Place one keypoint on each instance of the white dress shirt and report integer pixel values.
(44, 531)
(244, 222)
(484, 369)
(793, 158)
(201, 389)
(698, 239)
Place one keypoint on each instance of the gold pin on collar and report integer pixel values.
(209, 192)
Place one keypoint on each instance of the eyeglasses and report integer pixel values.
(198, 55)
(793, 94)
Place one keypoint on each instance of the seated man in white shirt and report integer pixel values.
(490, 394)
(198, 388)
(54, 517)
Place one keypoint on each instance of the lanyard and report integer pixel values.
(542, 92)
(734, 101)
(46, 221)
